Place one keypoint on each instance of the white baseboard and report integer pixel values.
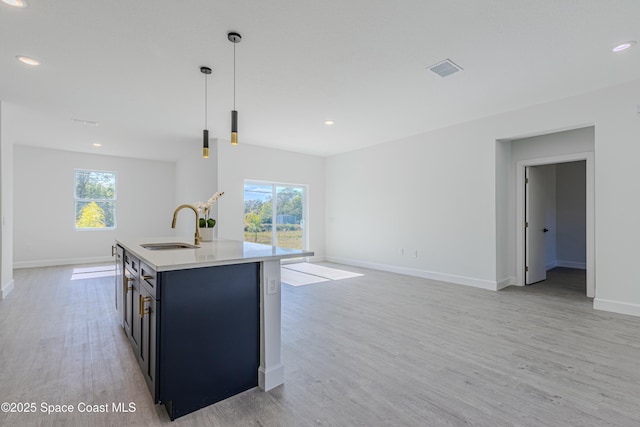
(572, 264)
(616, 307)
(270, 378)
(567, 264)
(305, 259)
(64, 261)
(6, 289)
(459, 280)
(506, 282)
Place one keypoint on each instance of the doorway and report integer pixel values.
(525, 254)
(555, 218)
(275, 214)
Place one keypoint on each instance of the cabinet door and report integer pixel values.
(129, 302)
(147, 358)
(136, 320)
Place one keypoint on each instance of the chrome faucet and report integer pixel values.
(197, 237)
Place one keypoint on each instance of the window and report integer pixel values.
(95, 199)
(279, 224)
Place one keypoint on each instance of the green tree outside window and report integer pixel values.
(95, 199)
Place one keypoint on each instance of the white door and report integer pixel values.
(535, 213)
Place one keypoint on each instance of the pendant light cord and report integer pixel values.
(234, 76)
(205, 101)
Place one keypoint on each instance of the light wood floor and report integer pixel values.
(380, 349)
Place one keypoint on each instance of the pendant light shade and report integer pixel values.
(234, 38)
(205, 133)
(205, 144)
(234, 127)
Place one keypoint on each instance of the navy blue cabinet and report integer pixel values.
(195, 332)
(209, 342)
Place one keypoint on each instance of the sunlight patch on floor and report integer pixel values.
(306, 274)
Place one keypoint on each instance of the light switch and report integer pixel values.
(272, 287)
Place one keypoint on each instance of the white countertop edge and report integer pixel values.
(184, 259)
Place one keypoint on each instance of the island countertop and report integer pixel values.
(208, 254)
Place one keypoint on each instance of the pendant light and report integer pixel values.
(234, 38)
(205, 133)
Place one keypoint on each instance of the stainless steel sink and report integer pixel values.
(167, 246)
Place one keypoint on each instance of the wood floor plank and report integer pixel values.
(380, 349)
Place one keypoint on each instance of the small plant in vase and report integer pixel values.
(206, 224)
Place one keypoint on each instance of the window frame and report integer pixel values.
(274, 194)
(76, 199)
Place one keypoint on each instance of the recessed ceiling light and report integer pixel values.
(624, 46)
(28, 61)
(15, 3)
(329, 122)
(97, 144)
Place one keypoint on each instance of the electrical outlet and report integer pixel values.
(272, 286)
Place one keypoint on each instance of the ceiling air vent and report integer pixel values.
(445, 68)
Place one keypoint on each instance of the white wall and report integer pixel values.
(504, 214)
(439, 192)
(249, 162)
(6, 208)
(44, 232)
(431, 195)
(196, 180)
(571, 214)
(580, 140)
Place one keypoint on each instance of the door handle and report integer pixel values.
(544, 230)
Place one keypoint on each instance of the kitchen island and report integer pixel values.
(203, 322)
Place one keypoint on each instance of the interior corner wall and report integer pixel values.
(505, 217)
(6, 208)
(196, 180)
(251, 162)
(44, 228)
(549, 183)
(571, 200)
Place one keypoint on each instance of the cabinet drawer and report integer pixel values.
(132, 263)
(149, 279)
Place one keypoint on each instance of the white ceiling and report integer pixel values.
(134, 68)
